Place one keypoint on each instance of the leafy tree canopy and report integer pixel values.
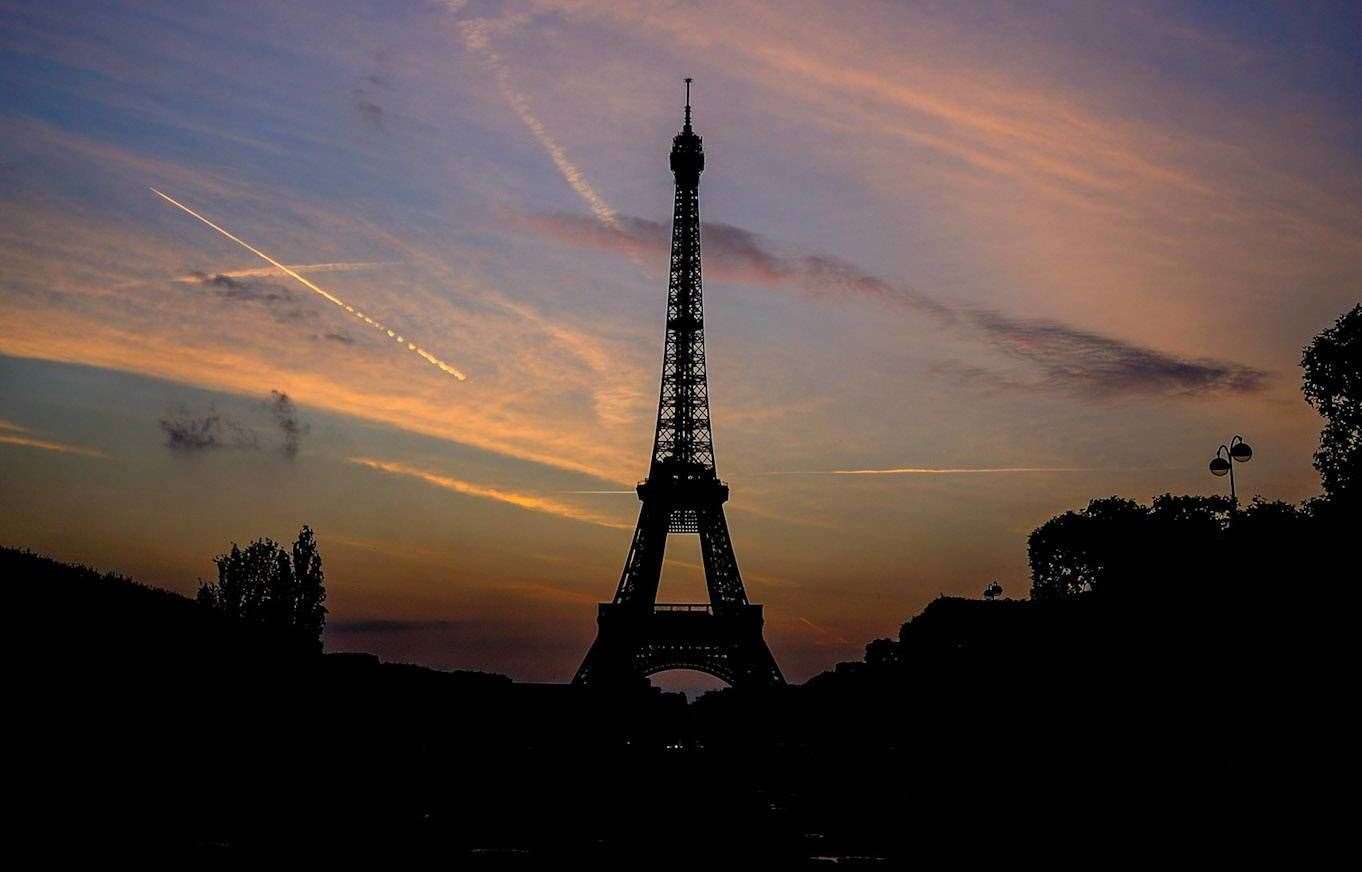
(266, 585)
(1332, 383)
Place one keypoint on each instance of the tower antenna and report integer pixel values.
(688, 81)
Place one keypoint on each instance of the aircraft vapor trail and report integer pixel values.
(332, 298)
(528, 501)
(476, 35)
(920, 470)
(570, 172)
(911, 470)
(46, 445)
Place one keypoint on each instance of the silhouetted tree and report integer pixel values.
(1332, 383)
(244, 581)
(1118, 547)
(310, 606)
(1076, 553)
(280, 603)
(263, 584)
(882, 652)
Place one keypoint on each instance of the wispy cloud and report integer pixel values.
(286, 418)
(369, 110)
(1087, 363)
(197, 277)
(279, 301)
(939, 470)
(824, 637)
(1069, 358)
(530, 502)
(190, 433)
(393, 625)
(477, 35)
(229, 284)
(736, 254)
(552, 593)
(13, 437)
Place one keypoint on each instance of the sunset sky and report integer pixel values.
(966, 266)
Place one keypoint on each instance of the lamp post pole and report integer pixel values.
(1238, 451)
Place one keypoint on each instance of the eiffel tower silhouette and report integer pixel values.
(636, 635)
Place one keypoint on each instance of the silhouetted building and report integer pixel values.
(636, 635)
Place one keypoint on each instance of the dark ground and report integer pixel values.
(152, 726)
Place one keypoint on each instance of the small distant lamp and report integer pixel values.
(1238, 451)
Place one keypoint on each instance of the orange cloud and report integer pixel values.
(931, 470)
(530, 502)
(45, 445)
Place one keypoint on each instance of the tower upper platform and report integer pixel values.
(688, 152)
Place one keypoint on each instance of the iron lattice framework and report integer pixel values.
(682, 494)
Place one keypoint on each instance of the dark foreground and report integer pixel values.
(150, 726)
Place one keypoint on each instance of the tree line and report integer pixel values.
(1119, 548)
(1180, 563)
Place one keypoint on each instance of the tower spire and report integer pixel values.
(687, 127)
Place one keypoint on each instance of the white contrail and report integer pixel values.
(528, 501)
(569, 171)
(918, 470)
(923, 470)
(47, 445)
(475, 36)
(411, 346)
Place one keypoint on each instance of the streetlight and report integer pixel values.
(1238, 451)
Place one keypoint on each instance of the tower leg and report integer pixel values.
(643, 566)
(721, 565)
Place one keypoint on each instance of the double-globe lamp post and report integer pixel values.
(1238, 451)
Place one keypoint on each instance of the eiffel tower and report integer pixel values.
(636, 635)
